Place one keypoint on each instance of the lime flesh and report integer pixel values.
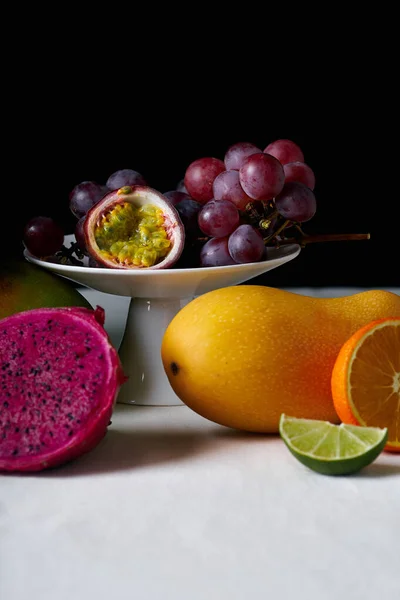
(332, 449)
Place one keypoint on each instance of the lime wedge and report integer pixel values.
(332, 449)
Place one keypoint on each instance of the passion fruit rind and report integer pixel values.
(134, 228)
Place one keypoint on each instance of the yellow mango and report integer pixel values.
(242, 355)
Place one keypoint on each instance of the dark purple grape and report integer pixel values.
(218, 218)
(246, 245)
(84, 195)
(42, 236)
(296, 202)
(190, 257)
(199, 177)
(236, 154)
(261, 176)
(175, 196)
(299, 171)
(215, 253)
(285, 151)
(124, 177)
(80, 236)
(188, 210)
(227, 186)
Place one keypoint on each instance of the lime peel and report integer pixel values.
(332, 449)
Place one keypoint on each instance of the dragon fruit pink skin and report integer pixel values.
(59, 380)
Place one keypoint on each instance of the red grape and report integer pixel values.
(42, 236)
(80, 236)
(215, 253)
(199, 178)
(218, 218)
(227, 186)
(84, 195)
(296, 202)
(124, 177)
(235, 155)
(175, 196)
(299, 171)
(285, 151)
(262, 176)
(246, 245)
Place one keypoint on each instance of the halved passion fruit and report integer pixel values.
(134, 228)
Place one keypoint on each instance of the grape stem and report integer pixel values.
(277, 231)
(66, 255)
(334, 237)
(255, 217)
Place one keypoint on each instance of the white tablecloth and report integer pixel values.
(170, 506)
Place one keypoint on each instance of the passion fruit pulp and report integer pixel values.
(134, 227)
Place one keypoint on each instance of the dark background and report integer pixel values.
(72, 125)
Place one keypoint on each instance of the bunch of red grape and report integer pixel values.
(241, 204)
(231, 209)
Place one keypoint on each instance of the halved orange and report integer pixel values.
(366, 379)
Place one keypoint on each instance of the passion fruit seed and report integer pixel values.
(132, 235)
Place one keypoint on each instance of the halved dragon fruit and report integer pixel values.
(59, 380)
(134, 227)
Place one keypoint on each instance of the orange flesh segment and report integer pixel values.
(374, 379)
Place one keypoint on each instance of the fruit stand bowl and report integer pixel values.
(156, 297)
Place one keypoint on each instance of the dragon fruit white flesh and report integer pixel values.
(59, 380)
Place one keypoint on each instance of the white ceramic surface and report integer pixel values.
(156, 297)
(166, 283)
